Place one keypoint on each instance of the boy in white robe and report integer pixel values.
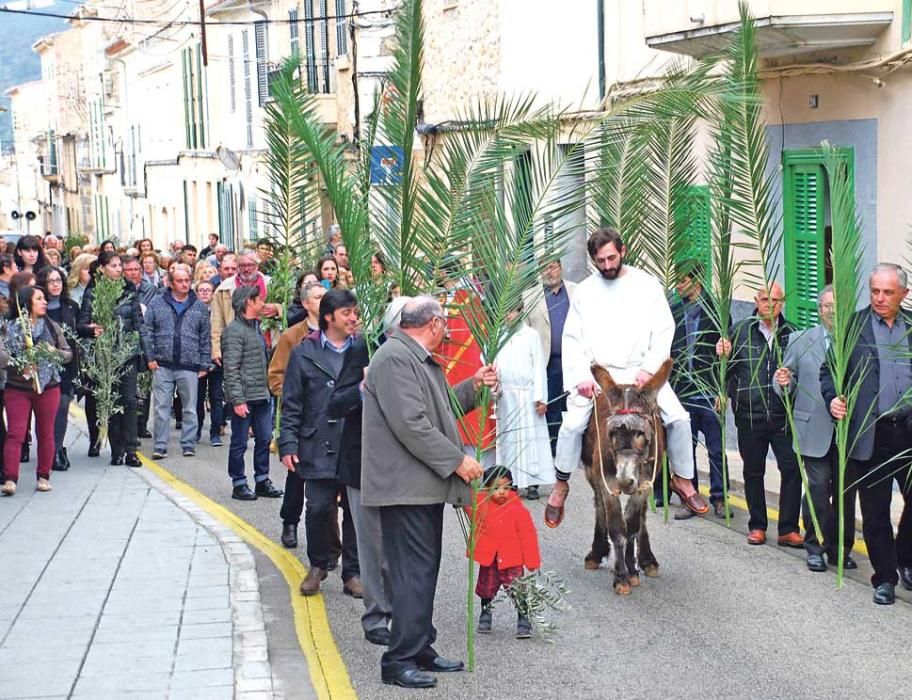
(523, 443)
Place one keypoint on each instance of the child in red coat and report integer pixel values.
(505, 542)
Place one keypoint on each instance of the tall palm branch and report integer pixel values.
(749, 191)
(846, 259)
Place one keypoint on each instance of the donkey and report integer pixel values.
(622, 453)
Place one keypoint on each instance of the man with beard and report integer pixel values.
(619, 318)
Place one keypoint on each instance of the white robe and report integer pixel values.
(523, 443)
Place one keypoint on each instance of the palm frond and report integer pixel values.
(846, 258)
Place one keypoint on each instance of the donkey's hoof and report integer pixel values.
(634, 581)
(591, 563)
(651, 570)
(622, 588)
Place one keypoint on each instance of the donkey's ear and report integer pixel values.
(659, 378)
(603, 378)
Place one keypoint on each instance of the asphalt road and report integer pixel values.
(723, 620)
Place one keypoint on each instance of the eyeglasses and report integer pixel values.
(54, 280)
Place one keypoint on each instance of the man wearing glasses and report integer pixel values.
(755, 349)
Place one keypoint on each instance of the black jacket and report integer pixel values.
(864, 371)
(751, 368)
(66, 317)
(702, 380)
(128, 310)
(306, 429)
(345, 403)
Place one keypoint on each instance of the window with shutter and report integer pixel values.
(252, 220)
(695, 221)
(906, 20)
(259, 32)
(807, 231)
(232, 86)
(248, 91)
(324, 47)
(309, 48)
(341, 29)
(294, 42)
(200, 96)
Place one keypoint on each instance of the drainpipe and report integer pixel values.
(600, 24)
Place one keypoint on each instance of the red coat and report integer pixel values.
(506, 531)
(460, 358)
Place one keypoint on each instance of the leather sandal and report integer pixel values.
(554, 515)
(695, 502)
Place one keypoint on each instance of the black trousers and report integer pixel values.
(890, 460)
(412, 543)
(323, 498)
(293, 508)
(122, 426)
(823, 489)
(754, 441)
(91, 411)
(557, 399)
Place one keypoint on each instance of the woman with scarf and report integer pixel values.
(63, 311)
(122, 426)
(31, 389)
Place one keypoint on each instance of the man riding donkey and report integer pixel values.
(619, 319)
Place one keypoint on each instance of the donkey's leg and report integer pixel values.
(600, 545)
(617, 531)
(634, 512)
(648, 563)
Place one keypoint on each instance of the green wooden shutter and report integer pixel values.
(804, 241)
(906, 20)
(696, 225)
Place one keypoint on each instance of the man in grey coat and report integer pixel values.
(412, 463)
(800, 375)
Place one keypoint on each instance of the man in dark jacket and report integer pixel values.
(244, 364)
(309, 440)
(345, 402)
(412, 463)
(756, 348)
(694, 375)
(880, 371)
(177, 333)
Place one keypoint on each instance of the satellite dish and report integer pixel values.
(229, 158)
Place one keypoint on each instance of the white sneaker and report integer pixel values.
(43, 485)
(8, 488)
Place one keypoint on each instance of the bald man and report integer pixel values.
(755, 349)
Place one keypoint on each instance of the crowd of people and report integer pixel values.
(371, 429)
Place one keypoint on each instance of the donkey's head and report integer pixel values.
(627, 426)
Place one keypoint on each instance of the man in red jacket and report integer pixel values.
(505, 543)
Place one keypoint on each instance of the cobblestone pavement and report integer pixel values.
(114, 586)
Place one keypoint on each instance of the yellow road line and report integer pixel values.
(324, 662)
(773, 514)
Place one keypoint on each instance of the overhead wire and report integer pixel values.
(196, 23)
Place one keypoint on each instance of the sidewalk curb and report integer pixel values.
(252, 670)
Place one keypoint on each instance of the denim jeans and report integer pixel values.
(704, 419)
(259, 415)
(163, 382)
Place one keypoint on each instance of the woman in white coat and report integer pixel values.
(522, 429)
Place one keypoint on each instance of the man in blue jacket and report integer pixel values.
(177, 333)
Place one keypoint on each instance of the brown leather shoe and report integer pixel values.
(353, 587)
(756, 537)
(793, 539)
(554, 514)
(311, 583)
(694, 501)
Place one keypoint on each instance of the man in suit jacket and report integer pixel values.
(346, 403)
(548, 307)
(693, 377)
(800, 376)
(411, 464)
(881, 371)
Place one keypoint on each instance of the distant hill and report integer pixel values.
(18, 63)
